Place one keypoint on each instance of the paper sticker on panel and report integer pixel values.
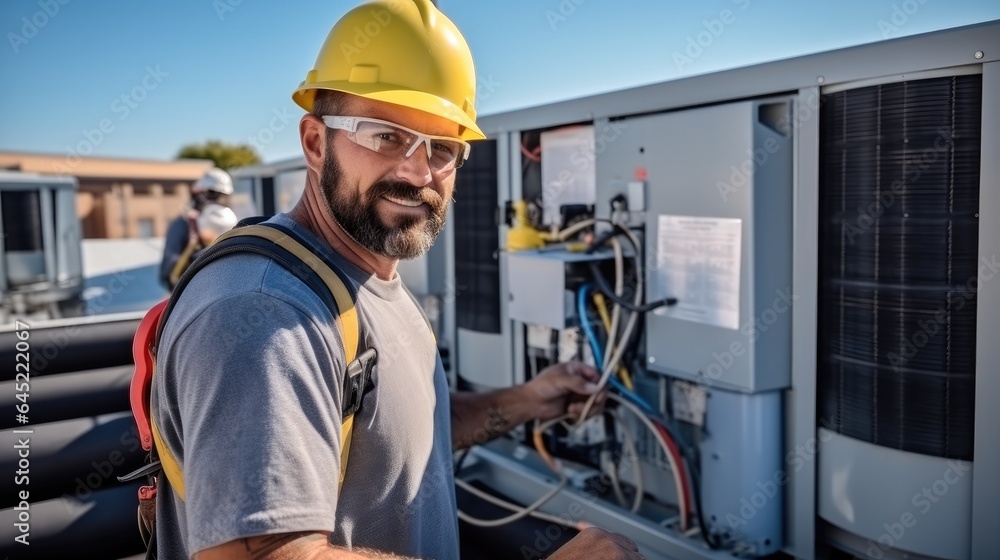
(698, 262)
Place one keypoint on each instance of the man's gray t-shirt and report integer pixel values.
(248, 398)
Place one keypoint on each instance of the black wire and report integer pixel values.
(711, 539)
(608, 291)
(687, 457)
(602, 283)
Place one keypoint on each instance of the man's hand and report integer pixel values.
(558, 390)
(563, 389)
(598, 543)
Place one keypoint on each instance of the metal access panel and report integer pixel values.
(540, 291)
(718, 237)
(743, 477)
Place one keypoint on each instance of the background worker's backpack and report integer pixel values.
(290, 251)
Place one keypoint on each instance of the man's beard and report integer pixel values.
(357, 215)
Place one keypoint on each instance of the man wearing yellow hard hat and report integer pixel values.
(251, 366)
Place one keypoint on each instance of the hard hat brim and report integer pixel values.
(388, 93)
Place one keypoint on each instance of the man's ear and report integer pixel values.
(312, 135)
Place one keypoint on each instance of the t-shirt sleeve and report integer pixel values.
(258, 392)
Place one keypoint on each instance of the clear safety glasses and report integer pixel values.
(444, 153)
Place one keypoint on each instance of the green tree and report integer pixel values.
(226, 156)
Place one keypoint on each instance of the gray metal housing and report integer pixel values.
(55, 273)
(974, 48)
(731, 161)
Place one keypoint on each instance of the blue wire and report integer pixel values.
(581, 310)
(636, 399)
(595, 348)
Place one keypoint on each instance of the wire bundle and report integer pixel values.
(623, 394)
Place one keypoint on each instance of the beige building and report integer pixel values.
(119, 197)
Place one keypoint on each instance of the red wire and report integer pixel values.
(679, 461)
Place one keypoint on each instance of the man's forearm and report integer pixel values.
(289, 546)
(479, 417)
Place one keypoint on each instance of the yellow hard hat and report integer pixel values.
(404, 52)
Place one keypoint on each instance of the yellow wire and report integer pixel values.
(540, 443)
(602, 309)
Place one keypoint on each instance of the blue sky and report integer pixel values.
(157, 74)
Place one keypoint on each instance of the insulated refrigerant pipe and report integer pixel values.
(68, 345)
(76, 458)
(54, 398)
(69, 527)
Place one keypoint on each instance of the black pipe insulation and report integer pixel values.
(69, 346)
(72, 458)
(53, 398)
(101, 527)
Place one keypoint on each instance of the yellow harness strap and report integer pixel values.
(347, 323)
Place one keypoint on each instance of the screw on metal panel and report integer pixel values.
(652, 360)
(979, 55)
(820, 79)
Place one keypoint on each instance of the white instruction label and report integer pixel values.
(698, 262)
(689, 402)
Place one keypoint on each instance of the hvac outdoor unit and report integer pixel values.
(899, 187)
(718, 237)
(476, 288)
(40, 254)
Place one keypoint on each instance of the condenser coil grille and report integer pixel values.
(899, 185)
(477, 269)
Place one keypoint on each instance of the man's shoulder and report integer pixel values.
(245, 277)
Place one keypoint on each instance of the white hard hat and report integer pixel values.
(214, 179)
(216, 218)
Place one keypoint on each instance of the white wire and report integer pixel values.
(616, 309)
(575, 228)
(612, 470)
(612, 364)
(678, 484)
(520, 511)
(628, 442)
